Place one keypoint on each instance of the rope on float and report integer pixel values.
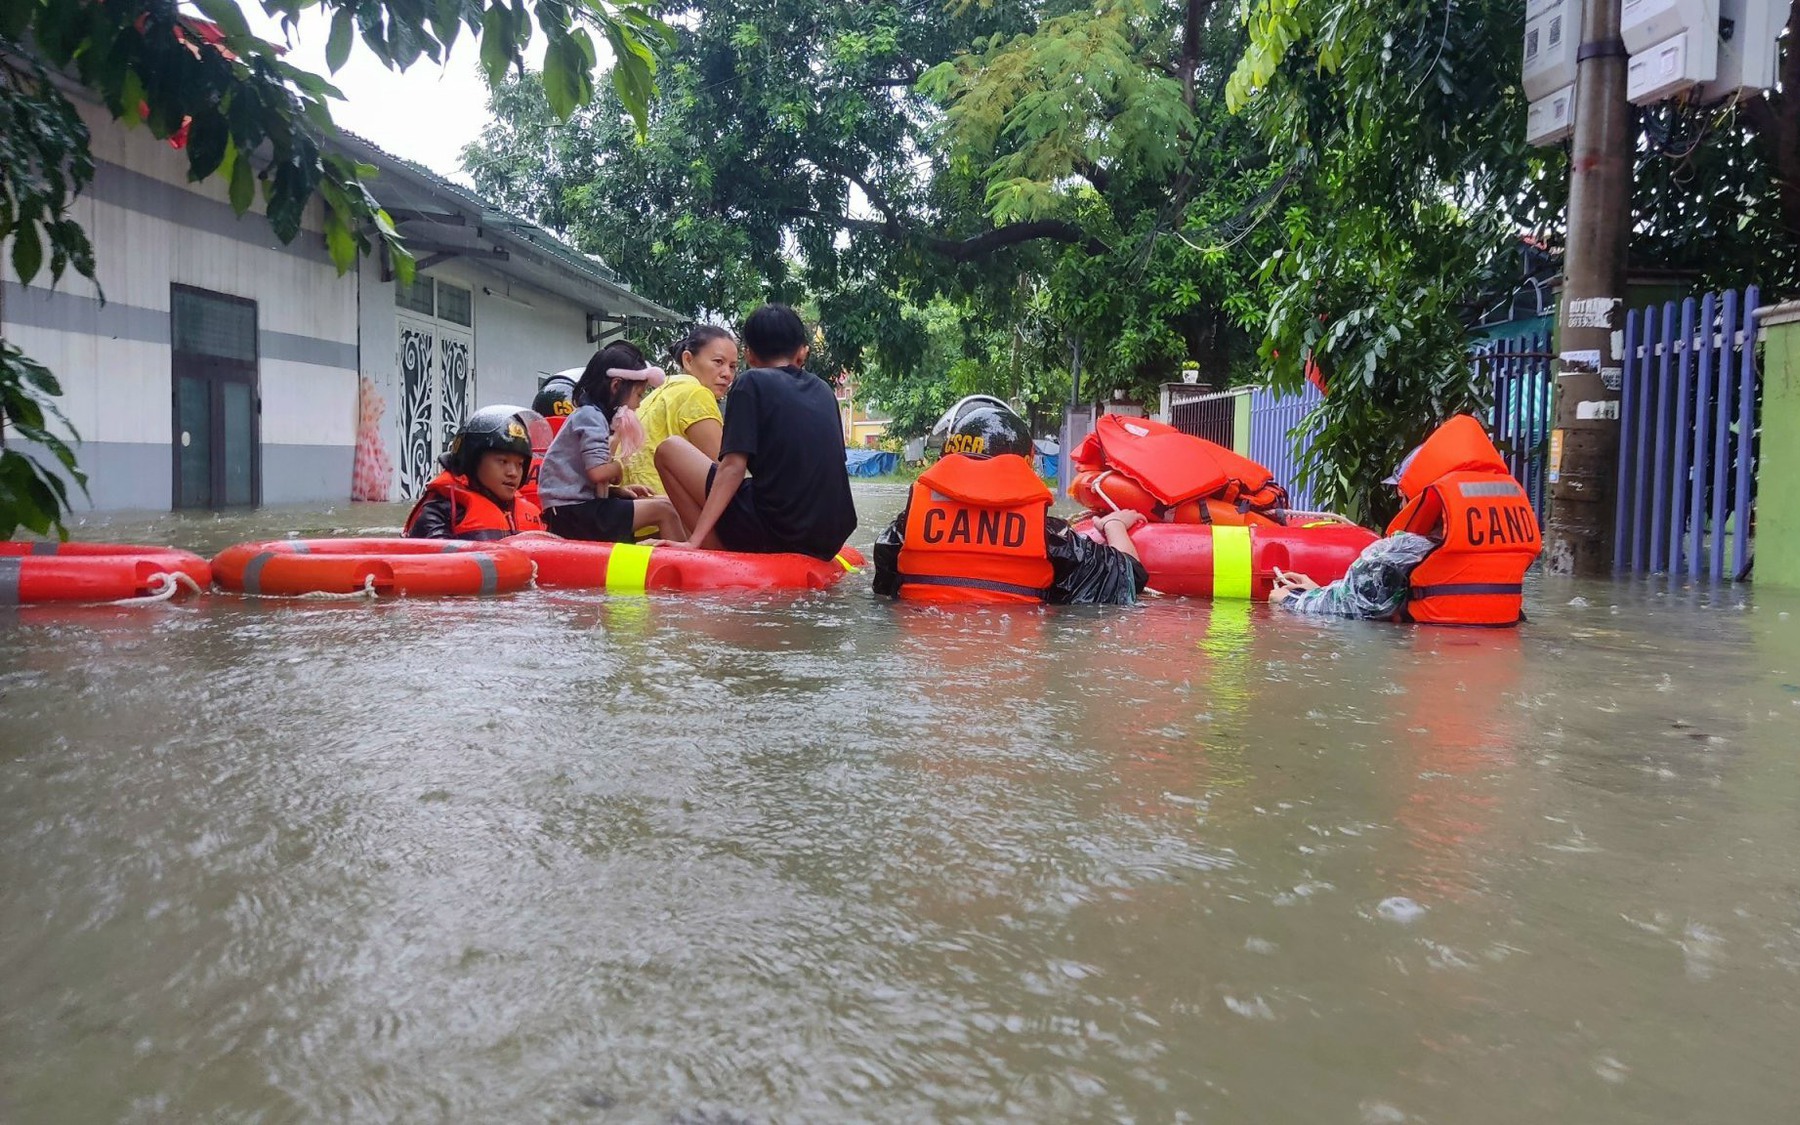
(1098, 481)
(366, 593)
(1293, 516)
(163, 586)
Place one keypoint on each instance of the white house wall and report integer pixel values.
(151, 229)
(517, 342)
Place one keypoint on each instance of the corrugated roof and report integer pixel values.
(611, 294)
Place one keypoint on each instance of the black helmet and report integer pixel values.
(556, 398)
(940, 430)
(509, 429)
(984, 429)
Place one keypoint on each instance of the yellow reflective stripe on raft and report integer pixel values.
(627, 568)
(845, 563)
(1231, 563)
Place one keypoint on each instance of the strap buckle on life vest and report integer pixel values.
(1467, 589)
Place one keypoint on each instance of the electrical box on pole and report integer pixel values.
(1551, 120)
(1674, 46)
(1749, 48)
(1645, 23)
(1552, 36)
(1552, 28)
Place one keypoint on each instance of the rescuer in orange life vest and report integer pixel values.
(477, 494)
(977, 529)
(1455, 555)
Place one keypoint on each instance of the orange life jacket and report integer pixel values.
(529, 490)
(975, 533)
(473, 515)
(1179, 478)
(1460, 492)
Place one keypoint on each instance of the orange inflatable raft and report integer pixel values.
(95, 572)
(638, 567)
(1201, 561)
(419, 567)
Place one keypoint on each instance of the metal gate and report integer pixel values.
(1212, 416)
(1688, 438)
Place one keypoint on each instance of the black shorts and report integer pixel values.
(739, 527)
(603, 520)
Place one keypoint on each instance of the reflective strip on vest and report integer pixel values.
(1490, 488)
(1231, 562)
(849, 567)
(628, 568)
(973, 584)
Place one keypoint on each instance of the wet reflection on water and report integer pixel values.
(566, 857)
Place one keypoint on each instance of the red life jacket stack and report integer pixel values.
(1460, 492)
(473, 515)
(1143, 465)
(975, 533)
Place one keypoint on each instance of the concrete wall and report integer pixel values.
(151, 229)
(521, 334)
(1778, 470)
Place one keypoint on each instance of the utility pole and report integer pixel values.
(1584, 446)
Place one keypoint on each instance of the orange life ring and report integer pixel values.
(291, 567)
(93, 572)
(640, 567)
(1107, 490)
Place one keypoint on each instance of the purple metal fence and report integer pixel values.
(1519, 416)
(1275, 422)
(1523, 406)
(1687, 442)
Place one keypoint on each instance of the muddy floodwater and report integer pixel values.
(577, 857)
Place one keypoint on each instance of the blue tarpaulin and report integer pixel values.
(870, 462)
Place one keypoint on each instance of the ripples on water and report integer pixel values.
(570, 857)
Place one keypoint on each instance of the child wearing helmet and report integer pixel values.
(1455, 555)
(477, 494)
(977, 527)
(581, 480)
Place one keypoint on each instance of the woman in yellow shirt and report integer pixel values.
(687, 404)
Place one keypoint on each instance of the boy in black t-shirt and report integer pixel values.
(782, 429)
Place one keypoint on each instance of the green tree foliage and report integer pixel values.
(1405, 124)
(1022, 358)
(1107, 117)
(1053, 159)
(788, 157)
(250, 118)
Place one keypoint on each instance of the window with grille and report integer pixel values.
(454, 304)
(415, 296)
(208, 324)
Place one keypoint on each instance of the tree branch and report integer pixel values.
(963, 249)
(1193, 24)
(875, 196)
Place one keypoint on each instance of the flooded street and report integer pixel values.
(569, 857)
